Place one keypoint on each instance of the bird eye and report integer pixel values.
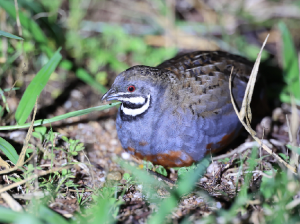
(131, 88)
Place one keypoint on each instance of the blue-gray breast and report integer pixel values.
(175, 113)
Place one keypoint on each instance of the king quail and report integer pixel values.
(175, 113)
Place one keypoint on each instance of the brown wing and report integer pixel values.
(203, 79)
(205, 62)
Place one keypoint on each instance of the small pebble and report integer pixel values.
(232, 187)
(68, 104)
(102, 179)
(115, 175)
(76, 94)
(199, 200)
(18, 136)
(213, 168)
(278, 115)
(162, 192)
(266, 123)
(139, 187)
(218, 205)
(125, 155)
(203, 179)
(137, 195)
(114, 142)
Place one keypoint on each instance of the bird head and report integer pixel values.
(136, 88)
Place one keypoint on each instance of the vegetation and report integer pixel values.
(65, 165)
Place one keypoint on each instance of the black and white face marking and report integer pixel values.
(129, 98)
(134, 106)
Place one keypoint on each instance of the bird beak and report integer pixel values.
(110, 95)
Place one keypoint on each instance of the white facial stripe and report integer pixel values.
(126, 93)
(137, 111)
(133, 100)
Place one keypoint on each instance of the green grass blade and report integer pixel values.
(26, 22)
(27, 219)
(61, 117)
(46, 216)
(102, 210)
(10, 216)
(294, 149)
(40, 37)
(244, 196)
(50, 216)
(185, 186)
(5, 34)
(35, 88)
(10, 89)
(87, 78)
(9, 151)
(290, 65)
(29, 24)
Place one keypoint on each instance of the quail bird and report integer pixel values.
(175, 113)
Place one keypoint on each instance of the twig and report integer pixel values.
(4, 163)
(160, 176)
(90, 170)
(12, 203)
(293, 129)
(229, 164)
(81, 190)
(21, 162)
(32, 155)
(22, 56)
(262, 138)
(18, 18)
(276, 142)
(254, 171)
(240, 149)
(31, 195)
(241, 116)
(3, 40)
(28, 136)
(43, 173)
(218, 174)
(293, 204)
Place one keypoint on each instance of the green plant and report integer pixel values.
(8, 150)
(128, 178)
(35, 88)
(73, 146)
(161, 170)
(9, 35)
(66, 175)
(290, 66)
(92, 55)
